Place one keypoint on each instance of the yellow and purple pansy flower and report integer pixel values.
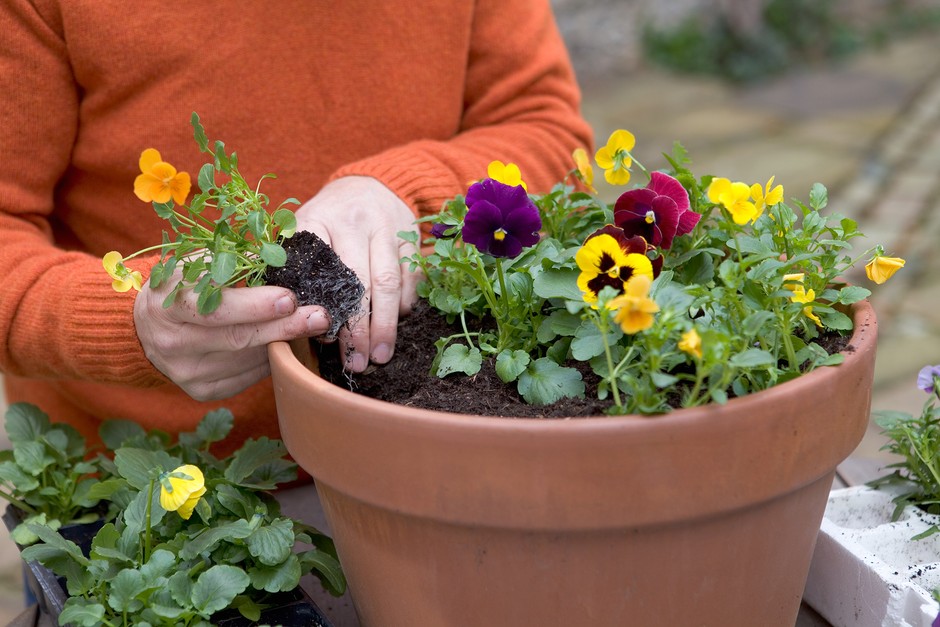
(608, 258)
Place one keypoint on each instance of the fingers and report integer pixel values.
(221, 354)
(238, 306)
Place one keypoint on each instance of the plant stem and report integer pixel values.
(602, 325)
(147, 522)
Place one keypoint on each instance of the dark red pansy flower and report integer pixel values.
(658, 212)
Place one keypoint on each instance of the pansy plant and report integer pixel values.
(686, 290)
(225, 236)
(195, 534)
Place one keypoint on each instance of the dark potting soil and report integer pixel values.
(318, 277)
(405, 380)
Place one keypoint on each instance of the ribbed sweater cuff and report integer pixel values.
(101, 336)
(415, 177)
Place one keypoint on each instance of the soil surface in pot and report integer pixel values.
(405, 380)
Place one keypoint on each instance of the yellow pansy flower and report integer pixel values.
(585, 169)
(159, 181)
(604, 263)
(181, 490)
(615, 158)
(506, 173)
(691, 343)
(882, 268)
(801, 295)
(766, 197)
(634, 307)
(735, 198)
(123, 279)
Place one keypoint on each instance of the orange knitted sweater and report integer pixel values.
(420, 95)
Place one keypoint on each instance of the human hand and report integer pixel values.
(360, 219)
(218, 355)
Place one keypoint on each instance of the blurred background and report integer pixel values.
(842, 92)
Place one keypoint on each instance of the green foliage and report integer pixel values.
(916, 441)
(792, 32)
(154, 567)
(46, 474)
(225, 236)
(758, 295)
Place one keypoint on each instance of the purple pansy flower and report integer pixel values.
(658, 212)
(439, 230)
(926, 376)
(501, 219)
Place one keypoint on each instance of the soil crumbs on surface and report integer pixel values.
(405, 380)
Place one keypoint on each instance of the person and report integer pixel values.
(376, 111)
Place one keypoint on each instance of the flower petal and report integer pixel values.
(149, 158)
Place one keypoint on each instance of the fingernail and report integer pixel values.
(358, 362)
(316, 322)
(285, 305)
(382, 353)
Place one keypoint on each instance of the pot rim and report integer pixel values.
(863, 339)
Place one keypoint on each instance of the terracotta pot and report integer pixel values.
(704, 516)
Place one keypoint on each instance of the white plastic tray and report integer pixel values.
(866, 570)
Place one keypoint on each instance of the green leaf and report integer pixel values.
(588, 341)
(32, 457)
(273, 254)
(257, 223)
(247, 608)
(545, 382)
(818, 196)
(209, 300)
(217, 587)
(663, 380)
(836, 320)
(14, 475)
(286, 222)
(222, 267)
(199, 133)
(557, 283)
(105, 489)
(210, 538)
(280, 577)
(239, 502)
(852, 294)
(510, 364)
(54, 545)
(25, 422)
(82, 612)
(140, 466)
(207, 177)
(104, 545)
(459, 358)
(253, 455)
(215, 425)
(135, 514)
(326, 568)
(124, 589)
(272, 543)
(161, 563)
(752, 358)
(164, 210)
(114, 433)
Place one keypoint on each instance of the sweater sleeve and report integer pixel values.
(59, 317)
(521, 104)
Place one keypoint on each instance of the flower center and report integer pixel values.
(650, 217)
(614, 272)
(499, 235)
